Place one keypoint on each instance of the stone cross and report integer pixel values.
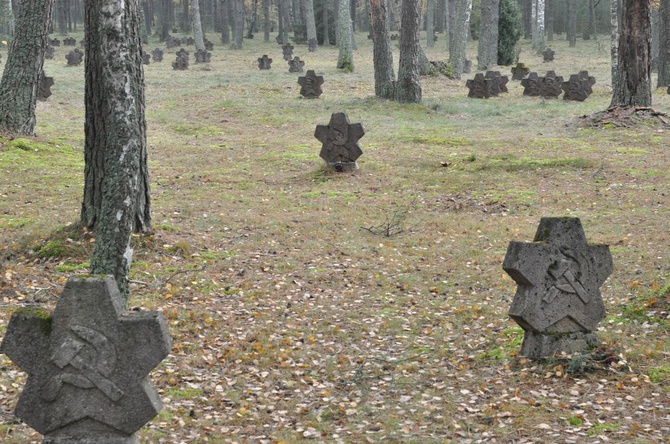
(558, 301)
(209, 46)
(499, 83)
(146, 58)
(172, 42)
(181, 63)
(340, 142)
(74, 57)
(288, 51)
(157, 54)
(295, 65)
(519, 71)
(44, 86)
(531, 85)
(49, 52)
(69, 41)
(203, 56)
(548, 55)
(312, 44)
(485, 86)
(551, 85)
(87, 365)
(578, 87)
(54, 42)
(311, 85)
(264, 62)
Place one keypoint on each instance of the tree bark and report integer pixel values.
(633, 77)
(225, 21)
(116, 189)
(310, 20)
(165, 19)
(185, 17)
(538, 25)
(458, 46)
(20, 80)
(239, 23)
(196, 22)
(549, 18)
(572, 23)
(266, 20)
(614, 40)
(326, 28)
(382, 56)
(664, 44)
(408, 86)
(487, 50)
(430, 24)
(345, 58)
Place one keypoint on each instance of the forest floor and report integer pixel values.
(295, 318)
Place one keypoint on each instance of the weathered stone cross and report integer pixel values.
(558, 301)
(87, 365)
(340, 142)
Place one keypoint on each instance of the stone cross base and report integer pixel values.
(342, 167)
(539, 345)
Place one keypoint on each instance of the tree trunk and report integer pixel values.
(285, 20)
(18, 88)
(633, 77)
(459, 44)
(336, 13)
(310, 21)
(345, 58)
(664, 44)
(487, 50)
(116, 189)
(148, 15)
(430, 24)
(7, 18)
(538, 25)
(326, 27)
(549, 19)
(572, 23)
(408, 86)
(197, 25)
(225, 21)
(239, 23)
(614, 40)
(166, 18)
(382, 56)
(185, 18)
(62, 7)
(592, 19)
(527, 10)
(266, 20)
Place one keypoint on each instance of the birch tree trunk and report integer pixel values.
(408, 86)
(382, 56)
(633, 76)
(538, 25)
(664, 45)
(18, 88)
(196, 23)
(487, 50)
(345, 58)
(459, 44)
(116, 189)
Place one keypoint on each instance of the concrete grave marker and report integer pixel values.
(558, 301)
(264, 62)
(146, 58)
(74, 57)
(295, 65)
(69, 41)
(209, 46)
(520, 71)
(44, 86)
(311, 85)
(551, 85)
(578, 86)
(203, 56)
(548, 55)
(54, 42)
(49, 52)
(288, 51)
(485, 86)
(87, 365)
(182, 60)
(157, 54)
(312, 44)
(340, 147)
(531, 85)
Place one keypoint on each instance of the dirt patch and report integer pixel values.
(626, 117)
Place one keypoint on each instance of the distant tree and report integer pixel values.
(345, 58)
(408, 85)
(572, 23)
(116, 186)
(633, 76)
(266, 20)
(18, 88)
(165, 19)
(310, 20)
(430, 24)
(225, 21)
(664, 44)
(196, 23)
(614, 40)
(538, 25)
(6, 19)
(238, 19)
(459, 43)
(487, 49)
(382, 56)
(510, 30)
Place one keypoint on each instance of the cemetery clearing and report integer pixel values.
(307, 305)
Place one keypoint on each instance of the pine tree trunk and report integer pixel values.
(664, 44)
(633, 84)
(310, 21)
(116, 190)
(459, 44)
(185, 17)
(225, 21)
(614, 39)
(239, 23)
(18, 88)
(592, 19)
(549, 19)
(572, 23)
(266, 20)
(382, 56)
(430, 24)
(345, 58)
(326, 28)
(538, 25)
(197, 25)
(487, 50)
(408, 86)
(165, 19)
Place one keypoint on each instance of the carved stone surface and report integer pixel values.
(203, 56)
(295, 65)
(54, 42)
(74, 57)
(550, 87)
(520, 71)
(531, 85)
(288, 51)
(44, 86)
(312, 44)
(146, 58)
(467, 66)
(182, 60)
(485, 86)
(49, 52)
(209, 46)
(340, 147)
(87, 365)
(477, 87)
(172, 42)
(498, 84)
(69, 41)
(157, 54)
(264, 62)
(578, 87)
(310, 85)
(558, 301)
(548, 55)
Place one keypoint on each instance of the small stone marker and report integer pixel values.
(558, 301)
(395, 36)
(551, 85)
(531, 85)
(340, 147)
(49, 52)
(485, 86)
(288, 51)
(172, 42)
(548, 55)
(182, 60)
(157, 54)
(74, 57)
(498, 84)
(209, 46)
(279, 39)
(467, 66)
(69, 41)
(520, 71)
(311, 85)
(203, 56)
(478, 88)
(295, 65)
(312, 44)
(54, 42)
(264, 62)
(578, 87)
(44, 86)
(87, 365)
(146, 58)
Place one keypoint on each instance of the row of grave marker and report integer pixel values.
(491, 84)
